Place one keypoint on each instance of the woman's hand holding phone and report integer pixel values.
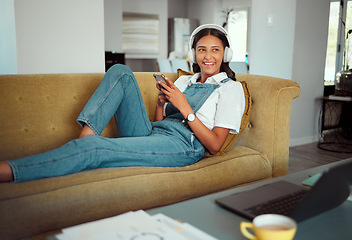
(161, 97)
(159, 79)
(170, 93)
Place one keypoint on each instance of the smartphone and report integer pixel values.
(159, 78)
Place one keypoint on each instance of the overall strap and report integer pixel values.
(225, 80)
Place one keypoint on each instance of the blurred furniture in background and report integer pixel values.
(336, 124)
(171, 66)
(179, 63)
(164, 65)
(239, 67)
(112, 58)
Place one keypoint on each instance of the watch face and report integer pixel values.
(191, 117)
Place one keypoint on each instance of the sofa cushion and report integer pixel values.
(181, 72)
(231, 138)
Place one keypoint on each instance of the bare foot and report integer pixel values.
(86, 131)
(6, 174)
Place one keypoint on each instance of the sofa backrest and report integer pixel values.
(38, 112)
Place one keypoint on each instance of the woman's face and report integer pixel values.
(209, 55)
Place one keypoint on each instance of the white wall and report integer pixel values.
(271, 51)
(294, 47)
(8, 53)
(57, 36)
(177, 8)
(113, 25)
(310, 41)
(203, 10)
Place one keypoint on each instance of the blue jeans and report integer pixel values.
(167, 143)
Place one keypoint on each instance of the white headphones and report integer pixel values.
(227, 51)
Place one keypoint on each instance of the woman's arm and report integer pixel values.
(159, 109)
(212, 140)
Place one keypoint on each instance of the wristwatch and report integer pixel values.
(190, 118)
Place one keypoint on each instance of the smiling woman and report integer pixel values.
(193, 114)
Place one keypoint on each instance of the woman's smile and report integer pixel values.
(209, 63)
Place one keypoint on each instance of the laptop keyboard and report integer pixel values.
(283, 205)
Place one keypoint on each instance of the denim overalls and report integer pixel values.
(166, 143)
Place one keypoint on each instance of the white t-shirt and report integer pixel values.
(224, 107)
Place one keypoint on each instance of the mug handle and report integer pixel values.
(244, 229)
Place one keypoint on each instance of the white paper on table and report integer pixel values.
(184, 229)
(129, 226)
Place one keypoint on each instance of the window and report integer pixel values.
(237, 28)
(336, 37)
(330, 62)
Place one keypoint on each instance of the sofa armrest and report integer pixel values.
(269, 124)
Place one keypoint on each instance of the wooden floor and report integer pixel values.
(309, 156)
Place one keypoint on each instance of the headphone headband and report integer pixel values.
(228, 50)
(204, 26)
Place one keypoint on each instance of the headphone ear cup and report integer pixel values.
(192, 55)
(227, 54)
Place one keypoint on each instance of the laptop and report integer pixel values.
(295, 201)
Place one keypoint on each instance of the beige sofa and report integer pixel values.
(38, 113)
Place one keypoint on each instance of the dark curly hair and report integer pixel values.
(216, 33)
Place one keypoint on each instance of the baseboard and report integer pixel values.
(302, 141)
